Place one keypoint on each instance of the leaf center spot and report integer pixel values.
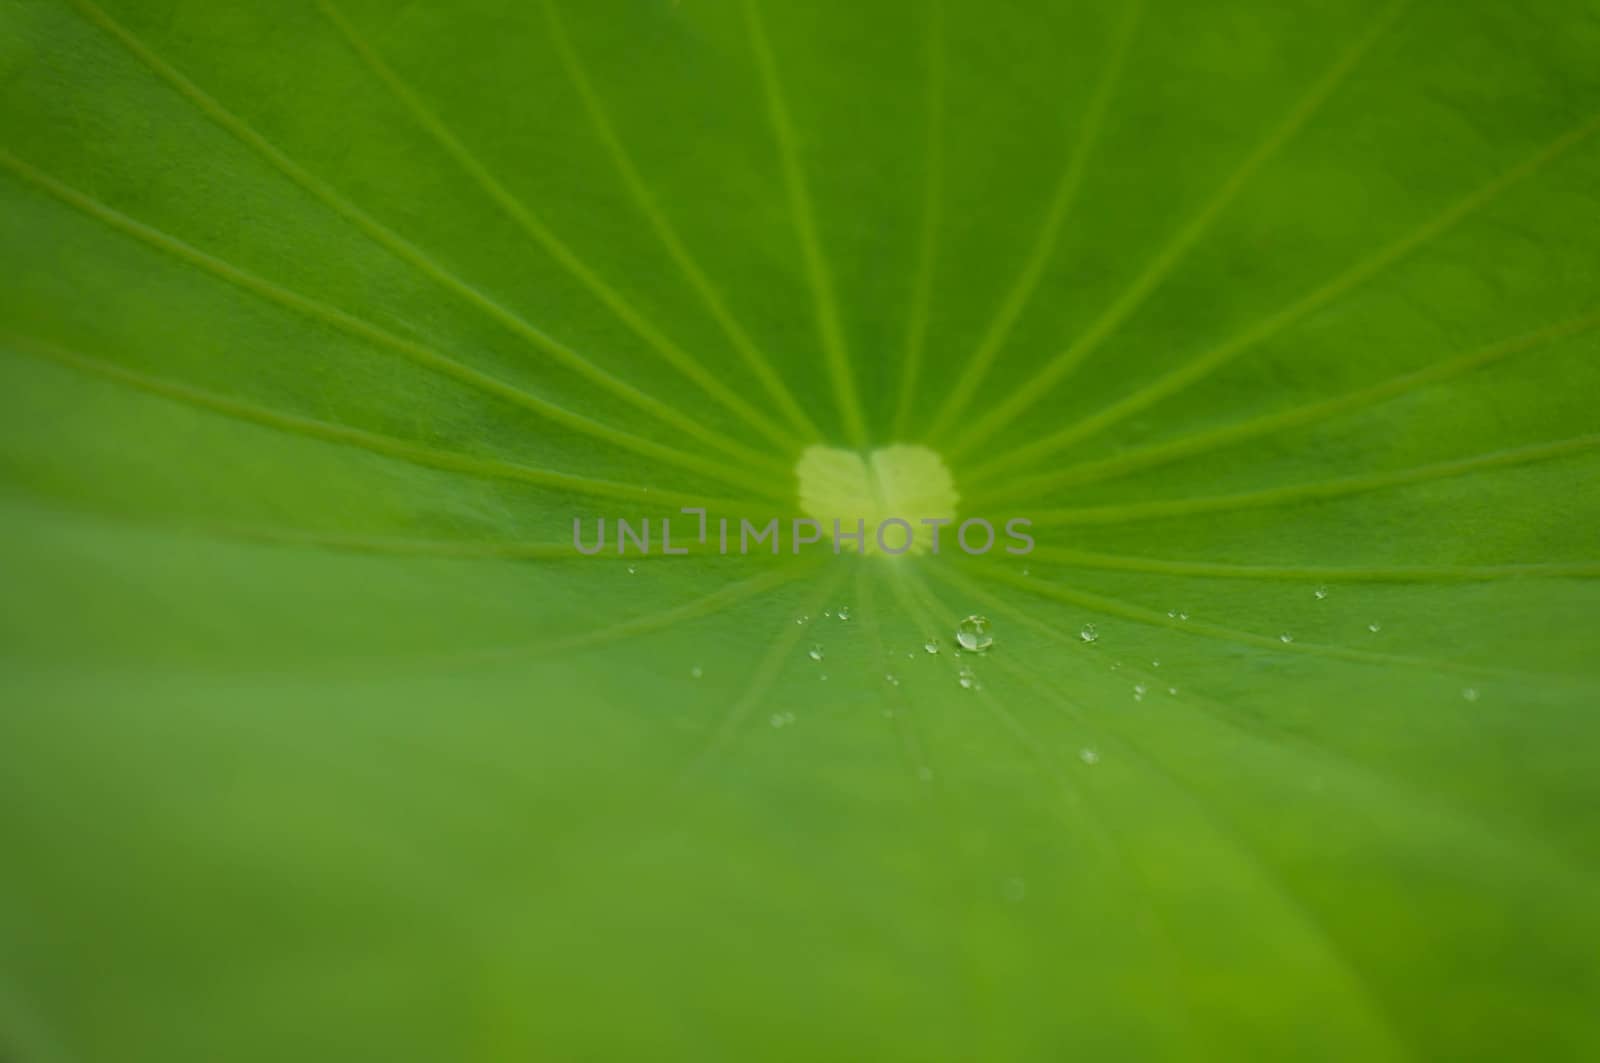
(880, 503)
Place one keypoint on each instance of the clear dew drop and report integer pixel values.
(1321, 594)
(967, 678)
(1374, 627)
(633, 570)
(931, 646)
(815, 652)
(1089, 755)
(844, 612)
(1139, 691)
(1286, 638)
(1470, 693)
(1155, 664)
(1183, 616)
(1173, 691)
(1089, 633)
(974, 634)
(828, 613)
(802, 620)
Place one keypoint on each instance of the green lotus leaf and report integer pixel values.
(326, 323)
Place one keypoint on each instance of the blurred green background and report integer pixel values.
(322, 320)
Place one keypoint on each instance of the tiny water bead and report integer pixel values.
(1089, 755)
(1089, 633)
(844, 612)
(892, 679)
(1286, 638)
(1321, 594)
(1374, 627)
(815, 652)
(827, 614)
(931, 646)
(696, 672)
(1139, 691)
(967, 678)
(974, 634)
(1470, 693)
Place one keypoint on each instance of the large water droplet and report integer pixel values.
(973, 634)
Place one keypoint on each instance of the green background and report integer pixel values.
(317, 742)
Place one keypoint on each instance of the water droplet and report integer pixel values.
(1172, 614)
(1155, 664)
(1374, 627)
(828, 613)
(1015, 890)
(1139, 691)
(815, 652)
(1173, 691)
(1470, 693)
(844, 612)
(1089, 633)
(824, 677)
(967, 679)
(1321, 593)
(1286, 638)
(973, 634)
(633, 569)
(893, 679)
(801, 619)
(931, 646)
(1183, 616)
(696, 672)
(911, 655)
(1026, 572)
(1089, 756)
(777, 719)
